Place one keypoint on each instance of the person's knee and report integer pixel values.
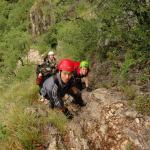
(73, 90)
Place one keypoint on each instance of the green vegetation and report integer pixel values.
(143, 104)
(129, 92)
(15, 39)
(20, 127)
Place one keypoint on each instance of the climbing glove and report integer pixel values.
(67, 113)
(79, 101)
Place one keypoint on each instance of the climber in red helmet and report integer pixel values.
(54, 88)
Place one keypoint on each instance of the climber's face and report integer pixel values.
(51, 57)
(65, 76)
(83, 71)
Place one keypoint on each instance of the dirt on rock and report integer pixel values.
(105, 123)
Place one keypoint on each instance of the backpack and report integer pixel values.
(47, 69)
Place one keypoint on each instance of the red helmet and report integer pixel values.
(76, 65)
(66, 65)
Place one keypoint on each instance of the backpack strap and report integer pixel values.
(56, 80)
(38, 69)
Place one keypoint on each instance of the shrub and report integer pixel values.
(3, 132)
(143, 104)
(129, 91)
(24, 72)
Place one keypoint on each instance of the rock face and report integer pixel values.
(34, 56)
(106, 123)
(40, 17)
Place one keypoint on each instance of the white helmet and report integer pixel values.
(50, 53)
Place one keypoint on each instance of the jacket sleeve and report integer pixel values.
(50, 92)
(57, 101)
(43, 92)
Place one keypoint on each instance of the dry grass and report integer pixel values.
(19, 129)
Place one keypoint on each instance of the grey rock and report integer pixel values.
(104, 129)
(131, 114)
(137, 120)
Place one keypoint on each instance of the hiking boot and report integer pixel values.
(79, 102)
(51, 105)
(82, 103)
(46, 102)
(42, 99)
(88, 89)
